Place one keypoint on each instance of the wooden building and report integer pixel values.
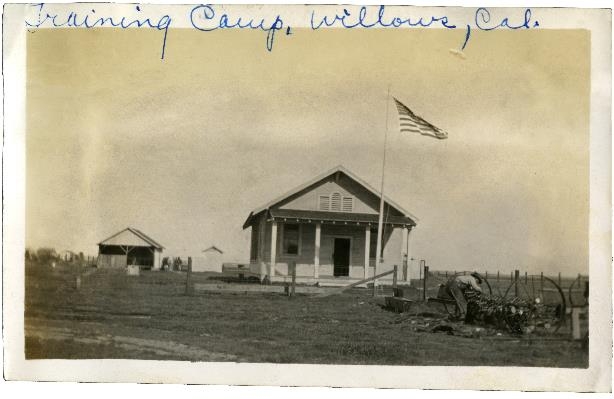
(211, 261)
(328, 226)
(129, 247)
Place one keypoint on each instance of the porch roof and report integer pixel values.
(343, 217)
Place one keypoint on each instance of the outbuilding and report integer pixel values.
(328, 228)
(210, 261)
(129, 247)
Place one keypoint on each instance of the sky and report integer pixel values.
(184, 148)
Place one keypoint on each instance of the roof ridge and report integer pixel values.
(145, 237)
(139, 234)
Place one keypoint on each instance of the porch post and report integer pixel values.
(367, 249)
(261, 243)
(273, 250)
(405, 250)
(316, 258)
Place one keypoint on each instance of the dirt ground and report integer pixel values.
(113, 315)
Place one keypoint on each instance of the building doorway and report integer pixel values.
(341, 257)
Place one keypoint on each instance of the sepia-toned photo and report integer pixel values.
(222, 187)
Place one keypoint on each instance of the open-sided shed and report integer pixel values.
(129, 247)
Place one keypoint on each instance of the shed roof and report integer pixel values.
(213, 248)
(338, 168)
(136, 232)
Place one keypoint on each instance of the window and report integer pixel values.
(254, 246)
(373, 244)
(291, 239)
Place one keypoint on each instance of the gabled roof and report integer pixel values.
(338, 168)
(137, 233)
(213, 248)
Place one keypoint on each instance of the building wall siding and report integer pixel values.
(308, 200)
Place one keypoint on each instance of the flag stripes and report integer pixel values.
(412, 123)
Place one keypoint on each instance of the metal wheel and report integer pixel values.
(545, 305)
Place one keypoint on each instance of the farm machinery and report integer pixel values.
(521, 308)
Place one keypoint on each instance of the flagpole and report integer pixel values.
(381, 204)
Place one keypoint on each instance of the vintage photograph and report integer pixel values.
(237, 192)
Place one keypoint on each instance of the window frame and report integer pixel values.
(282, 235)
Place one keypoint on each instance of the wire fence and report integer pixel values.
(515, 283)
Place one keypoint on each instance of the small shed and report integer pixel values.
(129, 247)
(211, 261)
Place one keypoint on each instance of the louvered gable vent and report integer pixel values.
(324, 204)
(348, 204)
(335, 202)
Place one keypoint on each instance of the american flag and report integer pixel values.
(412, 123)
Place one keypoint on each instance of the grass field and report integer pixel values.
(117, 316)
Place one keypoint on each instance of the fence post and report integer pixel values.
(541, 285)
(446, 274)
(516, 278)
(575, 322)
(405, 268)
(497, 277)
(560, 279)
(526, 278)
(394, 278)
(188, 279)
(292, 290)
(426, 273)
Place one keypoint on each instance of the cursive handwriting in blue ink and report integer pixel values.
(203, 18)
(87, 20)
(364, 19)
(482, 22)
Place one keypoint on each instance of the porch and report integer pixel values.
(329, 248)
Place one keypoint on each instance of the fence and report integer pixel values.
(502, 283)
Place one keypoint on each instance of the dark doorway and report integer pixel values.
(341, 257)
